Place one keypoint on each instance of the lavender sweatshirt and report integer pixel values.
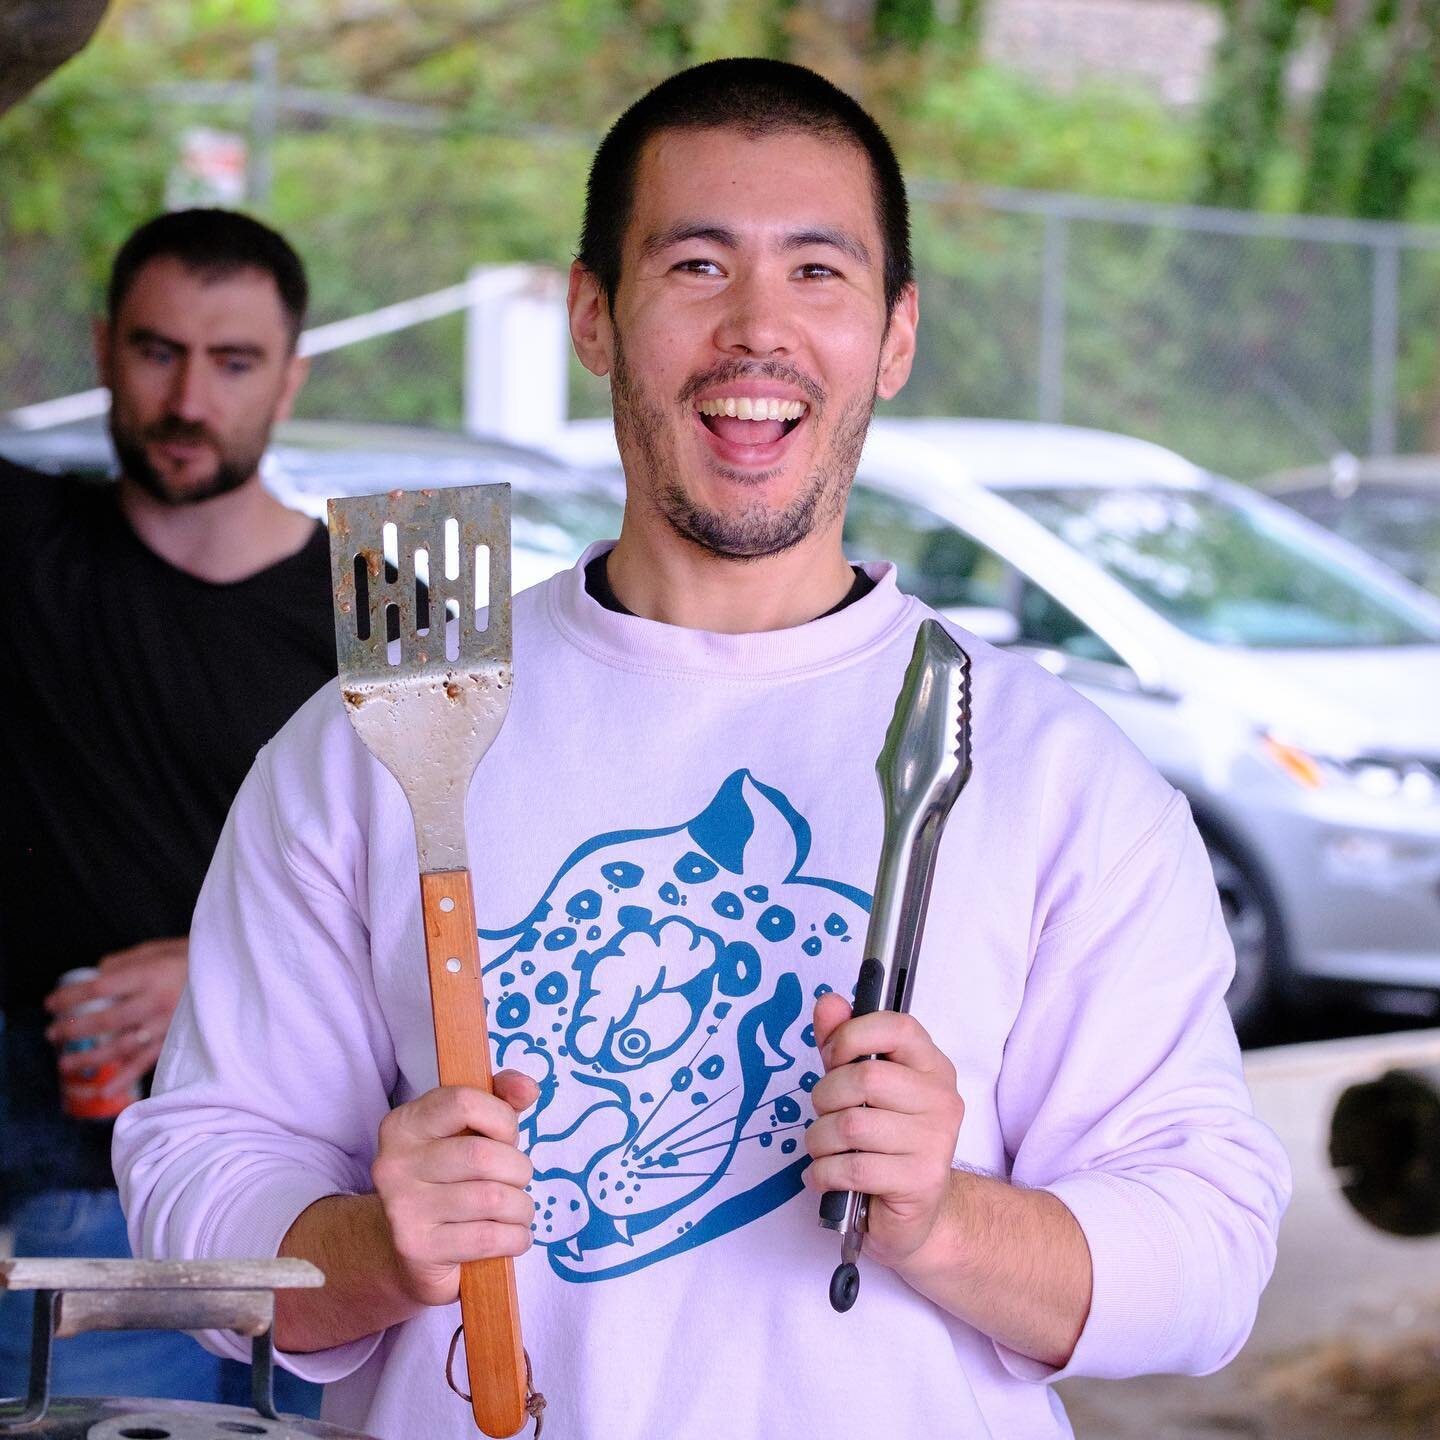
(672, 842)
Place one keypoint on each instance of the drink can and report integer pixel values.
(81, 1095)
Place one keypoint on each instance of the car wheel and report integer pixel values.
(1255, 934)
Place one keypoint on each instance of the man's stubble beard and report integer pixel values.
(234, 464)
(756, 531)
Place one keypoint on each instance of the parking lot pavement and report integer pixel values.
(1346, 1344)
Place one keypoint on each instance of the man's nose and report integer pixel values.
(757, 318)
(189, 391)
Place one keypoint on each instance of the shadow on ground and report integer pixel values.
(1380, 1387)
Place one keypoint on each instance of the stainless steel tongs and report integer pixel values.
(922, 767)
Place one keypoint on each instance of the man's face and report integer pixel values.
(748, 338)
(199, 369)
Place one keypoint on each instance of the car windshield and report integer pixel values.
(1225, 571)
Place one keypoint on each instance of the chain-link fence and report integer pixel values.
(1248, 343)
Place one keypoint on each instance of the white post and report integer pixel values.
(517, 353)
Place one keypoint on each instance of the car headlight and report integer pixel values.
(1381, 777)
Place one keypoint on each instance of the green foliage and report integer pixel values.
(988, 126)
(80, 167)
(905, 22)
(1396, 151)
(381, 220)
(1348, 91)
(1202, 344)
(1242, 127)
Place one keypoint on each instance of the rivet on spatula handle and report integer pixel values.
(489, 1306)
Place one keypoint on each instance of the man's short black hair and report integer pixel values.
(213, 244)
(756, 97)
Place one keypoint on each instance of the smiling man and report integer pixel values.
(171, 622)
(672, 839)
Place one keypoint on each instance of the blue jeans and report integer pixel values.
(66, 1224)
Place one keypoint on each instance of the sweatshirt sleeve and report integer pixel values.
(1122, 1094)
(275, 1073)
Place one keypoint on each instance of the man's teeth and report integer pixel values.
(747, 409)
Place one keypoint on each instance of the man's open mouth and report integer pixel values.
(750, 420)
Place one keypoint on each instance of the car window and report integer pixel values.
(1226, 571)
(1046, 622)
(935, 562)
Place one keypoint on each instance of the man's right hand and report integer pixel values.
(452, 1183)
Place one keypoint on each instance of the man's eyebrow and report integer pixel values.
(143, 335)
(233, 349)
(840, 240)
(684, 230)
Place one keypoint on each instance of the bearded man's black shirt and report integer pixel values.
(136, 699)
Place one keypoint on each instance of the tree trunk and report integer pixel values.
(1347, 93)
(1406, 104)
(1243, 119)
(38, 36)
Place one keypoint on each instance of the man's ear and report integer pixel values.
(100, 336)
(897, 354)
(297, 369)
(591, 329)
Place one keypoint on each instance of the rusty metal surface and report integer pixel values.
(44, 1274)
(426, 718)
(246, 1312)
(122, 1419)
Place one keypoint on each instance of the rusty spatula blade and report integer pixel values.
(415, 573)
(422, 628)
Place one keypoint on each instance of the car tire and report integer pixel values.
(1254, 926)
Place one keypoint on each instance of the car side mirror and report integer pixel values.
(989, 622)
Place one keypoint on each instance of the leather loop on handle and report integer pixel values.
(489, 1306)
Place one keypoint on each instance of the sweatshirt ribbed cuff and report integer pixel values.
(1136, 1289)
(251, 1225)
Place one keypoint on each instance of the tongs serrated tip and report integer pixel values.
(925, 760)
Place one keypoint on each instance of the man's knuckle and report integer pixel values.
(873, 1076)
(494, 1197)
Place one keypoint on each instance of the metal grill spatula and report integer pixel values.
(427, 692)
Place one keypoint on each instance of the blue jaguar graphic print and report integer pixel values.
(654, 993)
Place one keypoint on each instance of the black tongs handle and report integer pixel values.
(868, 995)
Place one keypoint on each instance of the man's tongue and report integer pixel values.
(746, 432)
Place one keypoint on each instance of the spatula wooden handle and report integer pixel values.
(489, 1307)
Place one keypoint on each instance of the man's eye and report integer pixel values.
(156, 354)
(698, 267)
(237, 367)
(816, 271)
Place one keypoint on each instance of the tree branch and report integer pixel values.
(38, 37)
(409, 58)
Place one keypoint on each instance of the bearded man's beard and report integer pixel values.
(755, 530)
(233, 466)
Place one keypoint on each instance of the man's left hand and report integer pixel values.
(886, 1127)
(144, 983)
